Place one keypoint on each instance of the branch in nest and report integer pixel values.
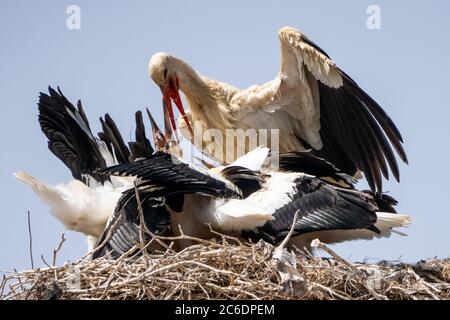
(55, 251)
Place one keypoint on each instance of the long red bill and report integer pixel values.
(168, 129)
(179, 104)
(172, 93)
(168, 104)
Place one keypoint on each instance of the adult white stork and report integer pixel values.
(86, 203)
(250, 200)
(313, 103)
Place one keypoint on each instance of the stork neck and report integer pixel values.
(191, 83)
(208, 99)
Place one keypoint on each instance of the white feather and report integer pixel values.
(77, 206)
(387, 221)
(238, 215)
(252, 160)
(276, 192)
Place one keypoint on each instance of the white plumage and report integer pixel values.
(87, 202)
(225, 197)
(312, 103)
(78, 207)
(276, 199)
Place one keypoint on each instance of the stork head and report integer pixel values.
(163, 69)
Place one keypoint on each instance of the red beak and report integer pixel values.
(171, 93)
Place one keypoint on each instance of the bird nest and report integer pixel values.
(229, 269)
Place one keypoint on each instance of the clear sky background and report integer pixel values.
(404, 66)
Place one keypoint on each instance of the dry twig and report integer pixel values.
(30, 236)
(55, 251)
(227, 270)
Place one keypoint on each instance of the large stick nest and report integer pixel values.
(230, 269)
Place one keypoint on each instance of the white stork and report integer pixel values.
(248, 199)
(86, 203)
(313, 103)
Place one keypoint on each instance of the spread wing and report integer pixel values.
(321, 208)
(69, 135)
(164, 170)
(70, 138)
(325, 110)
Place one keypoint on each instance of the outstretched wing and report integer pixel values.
(322, 108)
(69, 135)
(321, 208)
(164, 170)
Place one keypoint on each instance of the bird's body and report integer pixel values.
(248, 198)
(312, 103)
(78, 207)
(327, 211)
(259, 202)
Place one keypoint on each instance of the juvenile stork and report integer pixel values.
(314, 104)
(86, 203)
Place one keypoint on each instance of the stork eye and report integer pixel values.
(165, 73)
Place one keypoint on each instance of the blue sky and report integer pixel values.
(404, 66)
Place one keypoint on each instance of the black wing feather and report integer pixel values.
(162, 170)
(142, 147)
(69, 136)
(380, 115)
(306, 162)
(356, 132)
(122, 231)
(246, 180)
(111, 135)
(353, 130)
(321, 207)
